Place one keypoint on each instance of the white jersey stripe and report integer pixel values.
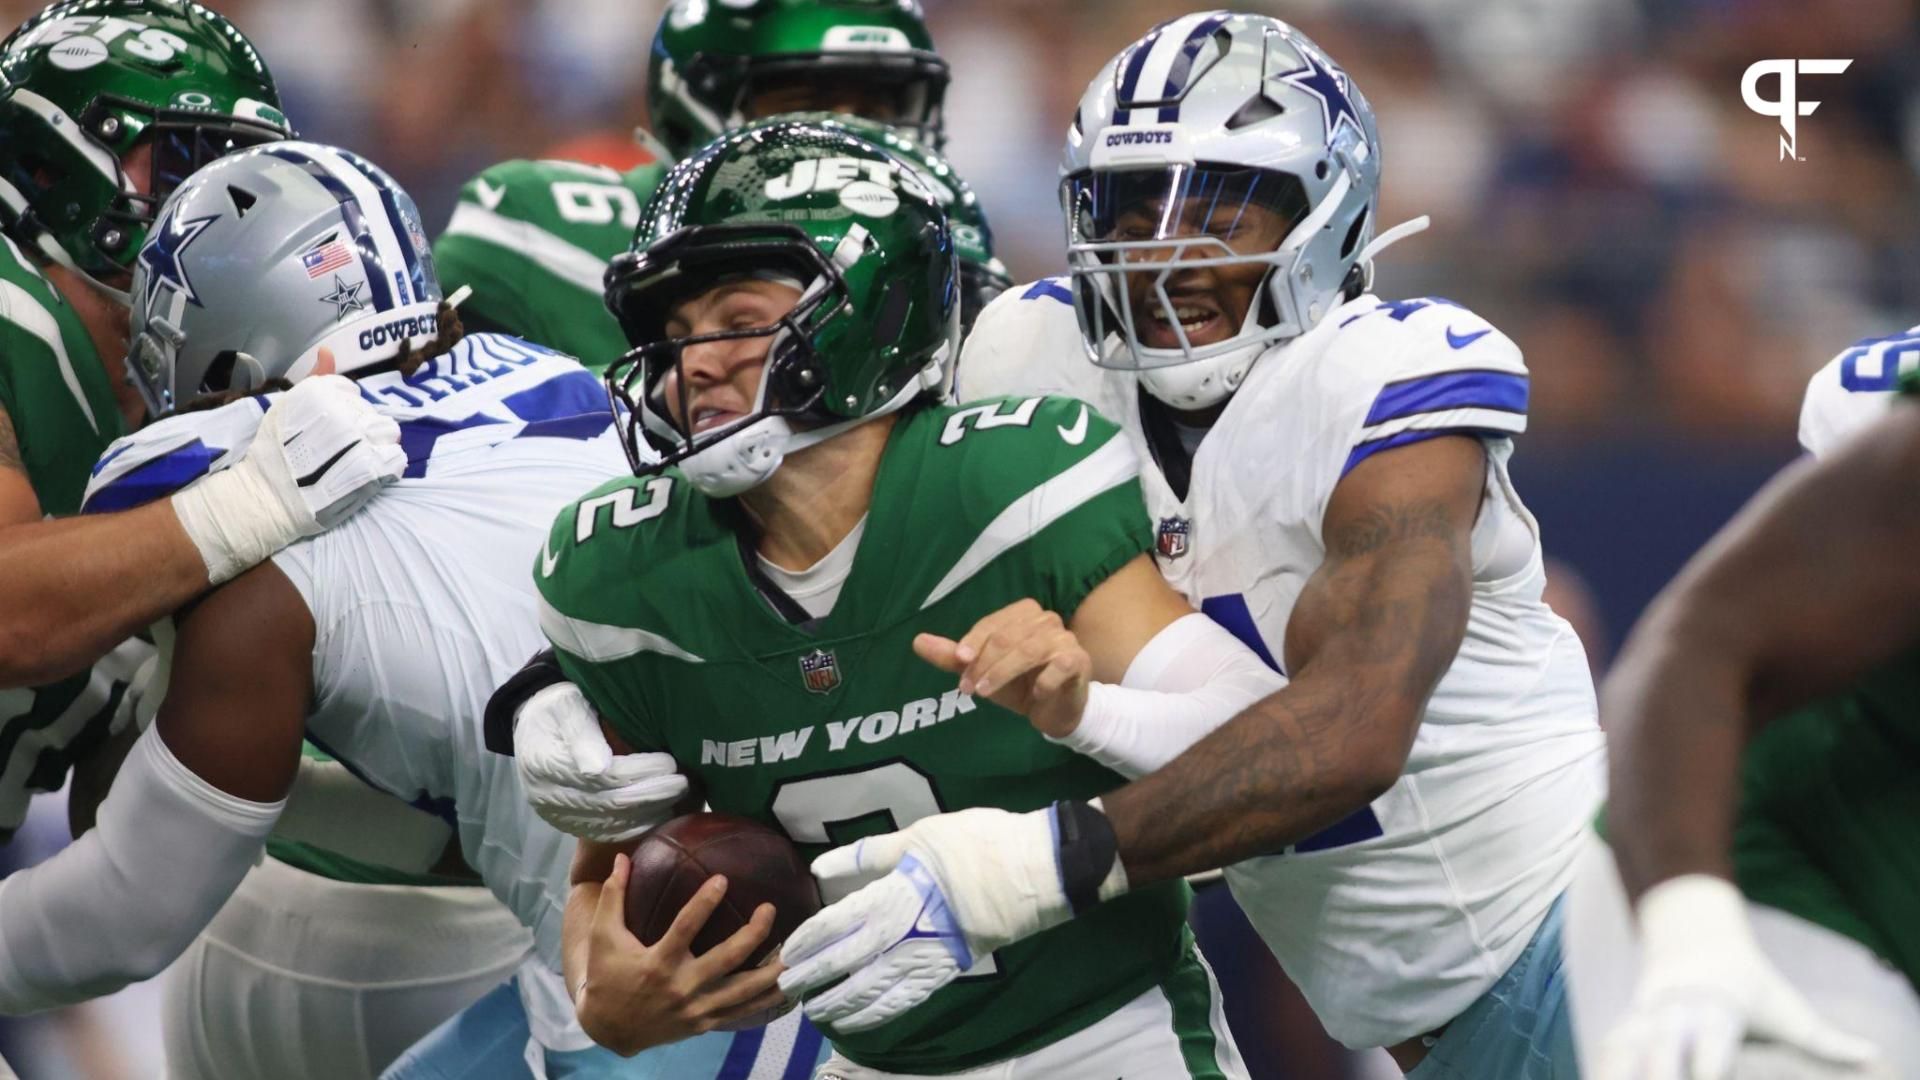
(20, 308)
(568, 262)
(601, 643)
(1104, 469)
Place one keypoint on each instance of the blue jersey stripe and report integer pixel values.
(1230, 612)
(1362, 824)
(1501, 391)
(155, 479)
(1183, 66)
(562, 396)
(742, 1054)
(1365, 450)
(1049, 287)
(356, 222)
(806, 1052)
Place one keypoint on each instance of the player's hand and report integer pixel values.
(918, 907)
(574, 779)
(634, 996)
(1706, 988)
(1022, 658)
(321, 452)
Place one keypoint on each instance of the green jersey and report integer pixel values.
(1830, 805)
(1830, 801)
(831, 729)
(533, 239)
(54, 388)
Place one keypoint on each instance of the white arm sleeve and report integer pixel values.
(123, 901)
(1191, 678)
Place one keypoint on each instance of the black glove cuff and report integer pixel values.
(1087, 850)
(496, 724)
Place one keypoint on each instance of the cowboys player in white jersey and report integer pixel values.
(1855, 388)
(1330, 483)
(380, 641)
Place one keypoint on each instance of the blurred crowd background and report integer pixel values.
(1598, 190)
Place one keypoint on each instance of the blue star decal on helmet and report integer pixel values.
(345, 297)
(161, 256)
(1330, 85)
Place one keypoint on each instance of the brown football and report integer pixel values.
(762, 866)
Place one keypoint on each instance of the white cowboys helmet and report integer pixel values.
(265, 257)
(1205, 117)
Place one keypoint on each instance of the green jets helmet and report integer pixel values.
(86, 82)
(711, 58)
(982, 276)
(876, 326)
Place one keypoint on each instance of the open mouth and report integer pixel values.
(708, 417)
(1200, 319)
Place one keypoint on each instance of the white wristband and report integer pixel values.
(235, 521)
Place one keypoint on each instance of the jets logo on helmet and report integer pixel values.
(714, 63)
(83, 83)
(982, 275)
(876, 325)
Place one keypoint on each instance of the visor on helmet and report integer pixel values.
(1137, 232)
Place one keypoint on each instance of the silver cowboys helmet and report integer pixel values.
(264, 258)
(1208, 117)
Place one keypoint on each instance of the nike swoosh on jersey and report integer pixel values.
(490, 196)
(1461, 341)
(548, 560)
(1076, 434)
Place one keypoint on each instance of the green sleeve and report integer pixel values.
(1091, 477)
(497, 276)
(570, 573)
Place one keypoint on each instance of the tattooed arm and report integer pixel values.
(1372, 632)
(17, 500)
(73, 588)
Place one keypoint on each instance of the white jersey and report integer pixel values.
(424, 601)
(1398, 918)
(1855, 388)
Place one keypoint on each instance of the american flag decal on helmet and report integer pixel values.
(820, 671)
(1171, 538)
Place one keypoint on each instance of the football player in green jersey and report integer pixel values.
(805, 519)
(533, 238)
(1764, 724)
(104, 109)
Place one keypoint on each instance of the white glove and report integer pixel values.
(575, 780)
(321, 452)
(955, 887)
(1706, 988)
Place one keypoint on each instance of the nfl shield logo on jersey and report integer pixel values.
(819, 671)
(1171, 541)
